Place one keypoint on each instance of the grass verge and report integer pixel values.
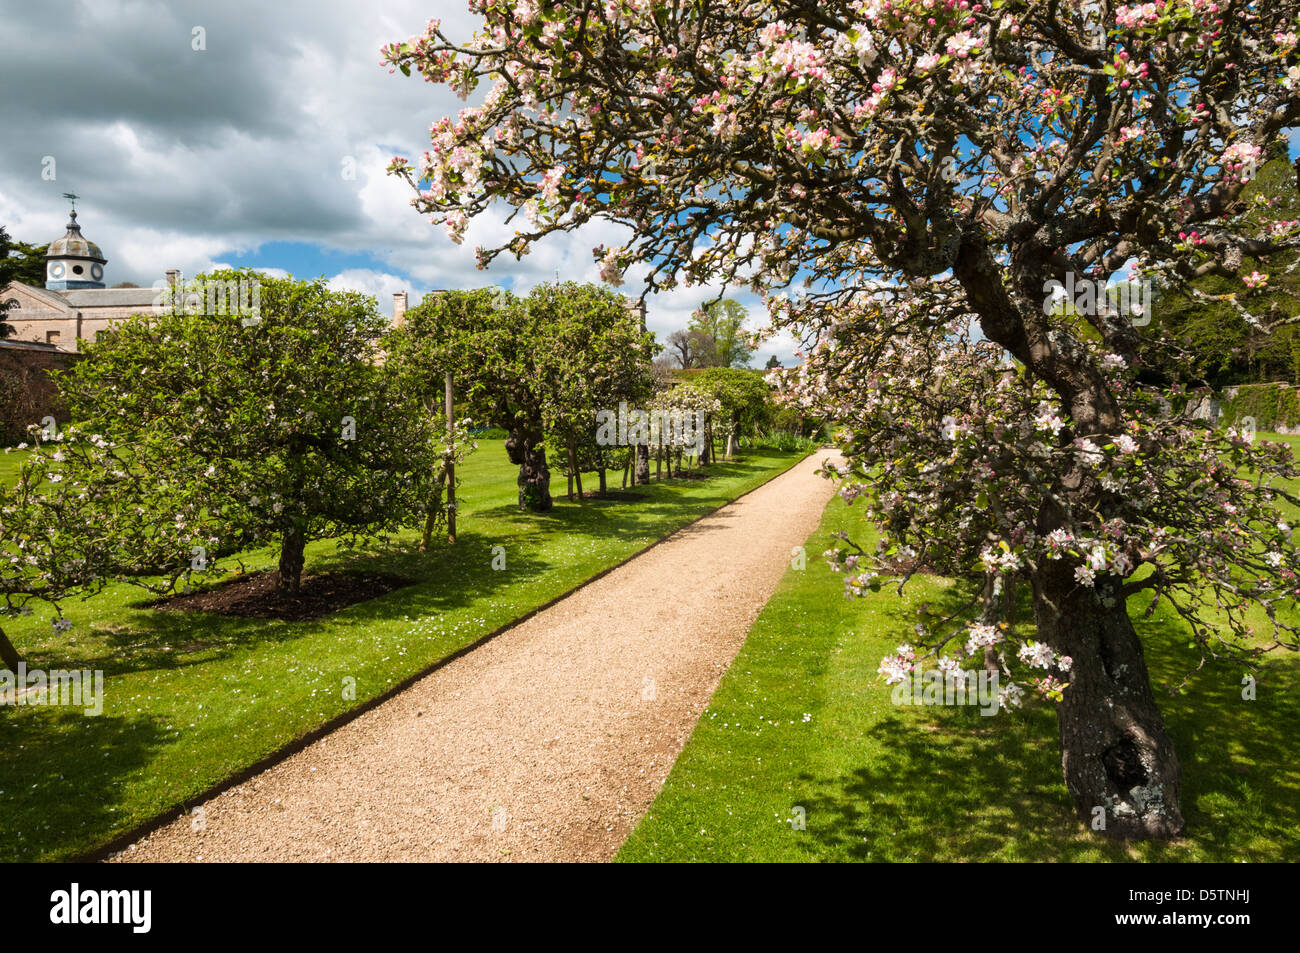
(191, 699)
(802, 724)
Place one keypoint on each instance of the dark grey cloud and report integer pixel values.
(182, 156)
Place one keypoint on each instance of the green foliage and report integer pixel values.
(719, 330)
(596, 356)
(785, 441)
(535, 366)
(745, 397)
(1219, 346)
(21, 262)
(1271, 405)
(284, 425)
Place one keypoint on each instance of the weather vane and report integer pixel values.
(72, 197)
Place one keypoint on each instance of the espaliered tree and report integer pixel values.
(533, 366)
(493, 349)
(721, 323)
(981, 151)
(744, 398)
(282, 419)
(597, 355)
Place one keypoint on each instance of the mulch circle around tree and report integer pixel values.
(255, 596)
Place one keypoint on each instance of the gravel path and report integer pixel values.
(548, 742)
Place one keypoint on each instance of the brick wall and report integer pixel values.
(27, 393)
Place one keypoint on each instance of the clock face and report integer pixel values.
(97, 271)
(56, 269)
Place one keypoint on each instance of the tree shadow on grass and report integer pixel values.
(950, 784)
(146, 639)
(940, 791)
(614, 519)
(1240, 757)
(60, 778)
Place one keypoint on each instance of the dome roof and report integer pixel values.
(73, 245)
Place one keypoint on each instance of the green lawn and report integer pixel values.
(802, 720)
(192, 699)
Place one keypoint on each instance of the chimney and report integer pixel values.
(172, 275)
(399, 308)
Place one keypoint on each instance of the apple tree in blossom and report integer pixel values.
(937, 173)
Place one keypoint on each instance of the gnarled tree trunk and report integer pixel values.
(292, 545)
(8, 654)
(527, 451)
(1115, 753)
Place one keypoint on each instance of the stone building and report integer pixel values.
(74, 304)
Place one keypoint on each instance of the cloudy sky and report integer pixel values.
(265, 147)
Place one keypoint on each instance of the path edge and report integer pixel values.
(310, 737)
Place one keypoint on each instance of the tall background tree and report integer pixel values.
(715, 337)
(967, 155)
(20, 261)
(722, 324)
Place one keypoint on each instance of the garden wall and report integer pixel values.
(27, 392)
(1274, 406)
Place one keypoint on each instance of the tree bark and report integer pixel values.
(1115, 752)
(642, 464)
(8, 654)
(289, 578)
(526, 450)
(431, 520)
(573, 470)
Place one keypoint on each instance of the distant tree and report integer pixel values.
(692, 347)
(743, 397)
(723, 323)
(283, 422)
(21, 262)
(772, 363)
(532, 366)
(1218, 340)
(126, 284)
(488, 341)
